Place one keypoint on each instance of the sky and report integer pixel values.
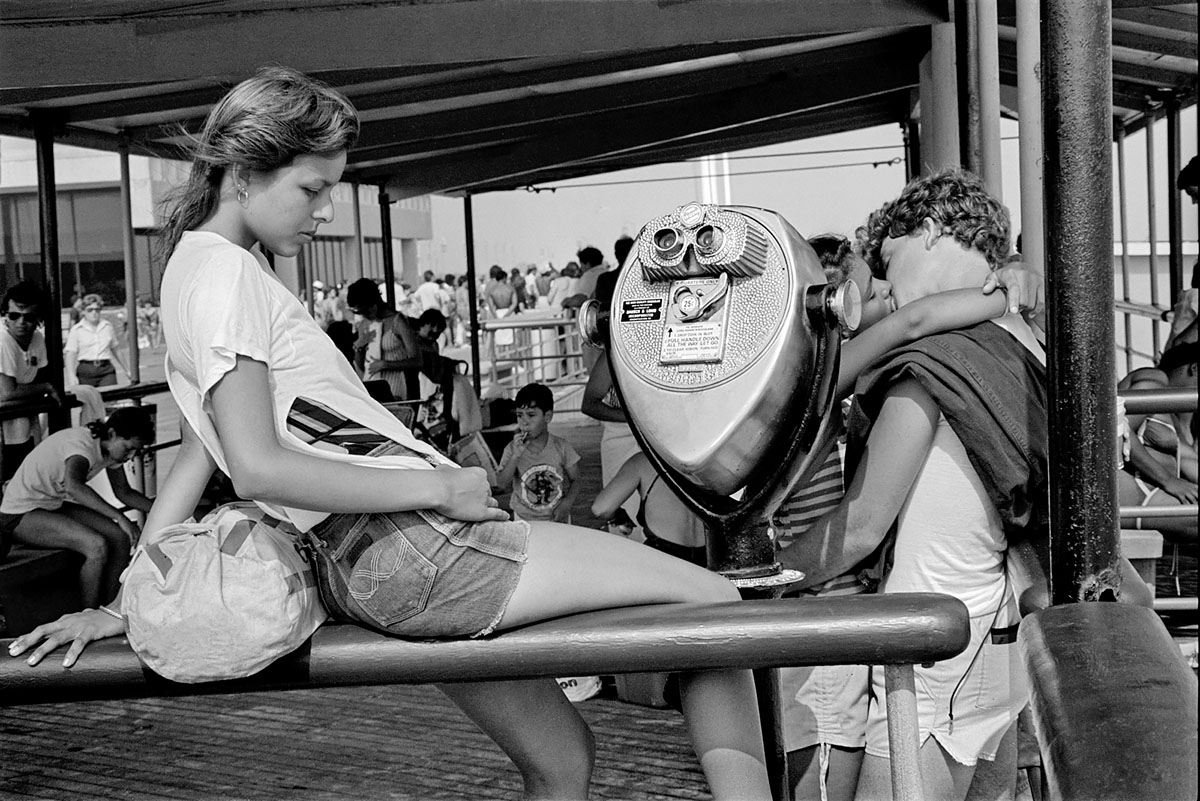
(833, 188)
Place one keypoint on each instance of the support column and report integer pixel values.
(911, 132)
(1123, 227)
(1077, 61)
(988, 51)
(939, 105)
(43, 134)
(389, 257)
(1029, 111)
(356, 244)
(966, 37)
(1152, 219)
(131, 329)
(472, 293)
(1174, 209)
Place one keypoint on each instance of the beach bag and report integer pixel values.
(220, 599)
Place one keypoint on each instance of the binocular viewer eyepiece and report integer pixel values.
(723, 338)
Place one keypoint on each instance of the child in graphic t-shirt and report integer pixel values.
(542, 468)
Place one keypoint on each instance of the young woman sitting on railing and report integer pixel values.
(437, 555)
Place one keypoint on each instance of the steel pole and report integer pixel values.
(473, 295)
(1029, 110)
(1174, 209)
(389, 258)
(966, 39)
(1077, 62)
(1152, 221)
(357, 242)
(135, 369)
(939, 116)
(43, 134)
(987, 50)
(1123, 222)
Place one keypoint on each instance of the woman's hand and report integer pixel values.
(468, 495)
(78, 628)
(131, 530)
(1024, 287)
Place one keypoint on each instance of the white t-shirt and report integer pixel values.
(41, 480)
(220, 301)
(429, 295)
(91, 344)
(23, 365)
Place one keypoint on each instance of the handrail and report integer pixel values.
(1152, 401)
(1140, 309)
(43, 404)
(135, 391)
(899, 629)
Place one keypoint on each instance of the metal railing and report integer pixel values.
(144, 468)
(1153, 401)
(536, 346)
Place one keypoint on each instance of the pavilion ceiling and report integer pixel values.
(474, 95)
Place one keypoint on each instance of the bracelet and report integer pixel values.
(111, 612)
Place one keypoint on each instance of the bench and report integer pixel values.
(37, 586)
(896, 631)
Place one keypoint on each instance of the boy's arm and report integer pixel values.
(943, 311)
(896, 449)
(507, 470)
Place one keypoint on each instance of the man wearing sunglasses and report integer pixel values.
(22, 370)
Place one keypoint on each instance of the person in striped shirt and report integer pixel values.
(825, 708)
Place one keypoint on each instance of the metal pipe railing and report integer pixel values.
(538, 345)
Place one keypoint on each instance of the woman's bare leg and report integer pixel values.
(43, 529)
(119, 546)
(538, 728)
(572, 570)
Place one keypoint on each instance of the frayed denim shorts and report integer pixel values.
(418, 574)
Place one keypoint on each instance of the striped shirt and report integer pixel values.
(808, 504)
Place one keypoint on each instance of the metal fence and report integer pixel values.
(539, 346)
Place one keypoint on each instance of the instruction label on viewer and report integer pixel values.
(641, 310)
(695, 341)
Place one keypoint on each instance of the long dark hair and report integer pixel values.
(261, 124)
(128, 422)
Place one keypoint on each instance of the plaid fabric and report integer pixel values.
(315, 422)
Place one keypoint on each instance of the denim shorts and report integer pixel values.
(418, 574)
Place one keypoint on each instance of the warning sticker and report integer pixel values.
(694, 342)
(697, 319)
(641, 310)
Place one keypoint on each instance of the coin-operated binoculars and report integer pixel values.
(723, 340)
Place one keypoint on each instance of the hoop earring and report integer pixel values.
(243, 197)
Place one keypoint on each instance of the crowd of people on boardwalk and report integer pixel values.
(943, 466)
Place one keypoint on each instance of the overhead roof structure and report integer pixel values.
(467, 96)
